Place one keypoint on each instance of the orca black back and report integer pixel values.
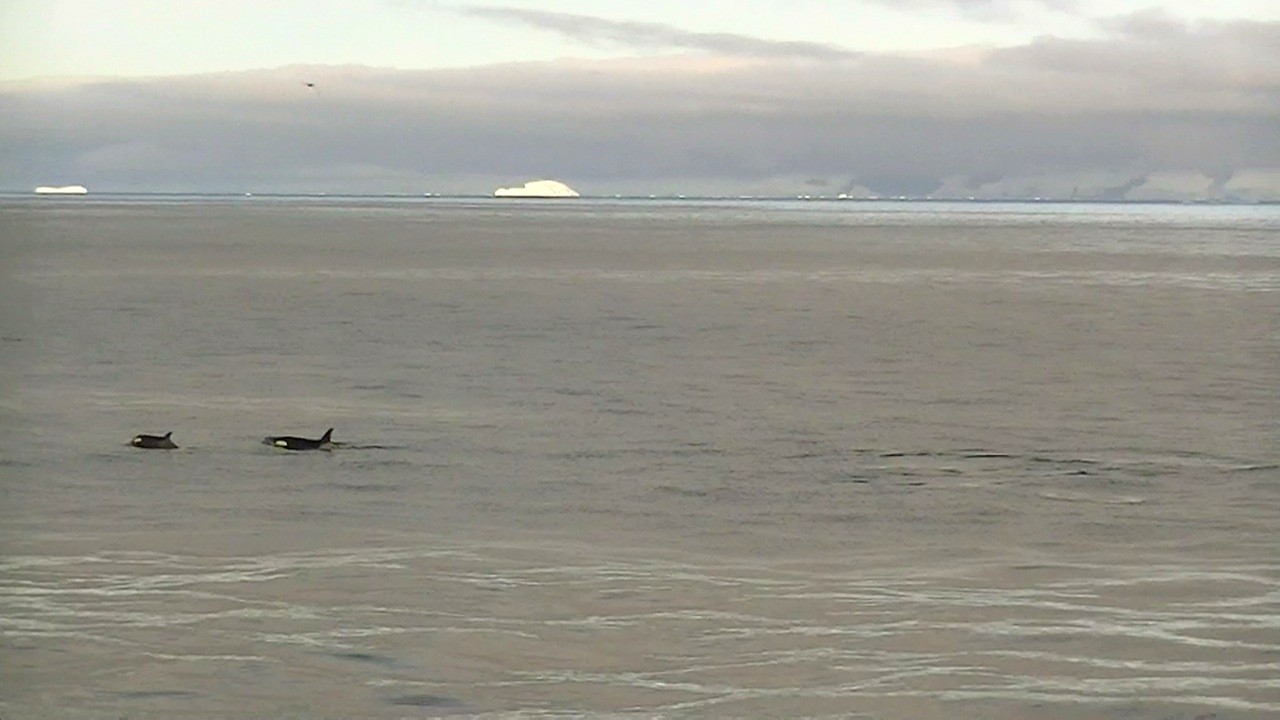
(154, 442)
(292, 442)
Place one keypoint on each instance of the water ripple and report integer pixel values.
(672, 637)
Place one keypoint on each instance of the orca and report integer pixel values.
(154, 442)
(289, 442)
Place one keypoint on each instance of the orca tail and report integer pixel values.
(327, 435)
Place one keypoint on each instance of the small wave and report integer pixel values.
(1084, 498)
(1254, 468)
(366, 658)
(682, 491)
(158, 694)
(426, 701)
(363, 487)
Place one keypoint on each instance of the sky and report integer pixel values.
(1075, 99)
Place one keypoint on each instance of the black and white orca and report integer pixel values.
(289, 442)
(155, 442)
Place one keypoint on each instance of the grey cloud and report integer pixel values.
(1218, 179)
(1121, 191)
(656, 36)
(976, 180)
(895, 185)
(1151, 53)
(896, 125)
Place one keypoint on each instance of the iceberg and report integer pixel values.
(538, 189)
(63, 190)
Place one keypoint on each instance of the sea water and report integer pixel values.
(638, 458)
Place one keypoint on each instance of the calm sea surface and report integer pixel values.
(751, 459)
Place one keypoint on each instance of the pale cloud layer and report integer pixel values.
(656, 36)
(1152, 107)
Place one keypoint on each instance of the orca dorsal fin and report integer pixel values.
(327, 434)
(166, 435)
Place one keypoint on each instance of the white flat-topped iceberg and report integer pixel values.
(538, 189)
(63, 190)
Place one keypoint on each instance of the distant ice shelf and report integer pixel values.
(538, 189)
(62, 190)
